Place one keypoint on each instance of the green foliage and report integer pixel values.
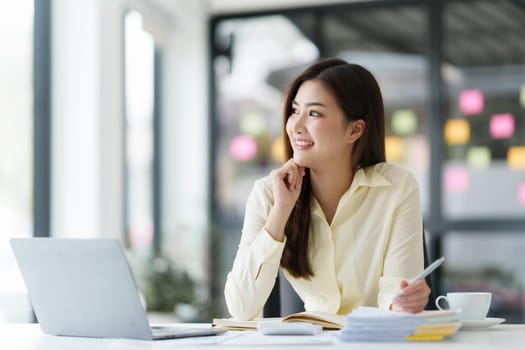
(166, 286)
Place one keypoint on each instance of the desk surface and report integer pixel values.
(30, 337)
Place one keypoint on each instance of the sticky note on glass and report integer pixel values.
(404, 122)
(278, 153)
(253, 124)
(522, 96)
(243, 148)
(502, 126)
(457, 131)
(471, 101)
(516, 158)
(478, 157)
(393, 148)
(456, 180)
(521, 193)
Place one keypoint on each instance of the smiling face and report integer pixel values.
(317, 129)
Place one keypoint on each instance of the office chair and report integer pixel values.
(283, 300)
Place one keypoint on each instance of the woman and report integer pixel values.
(345, 226)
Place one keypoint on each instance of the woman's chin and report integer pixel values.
(300, 161)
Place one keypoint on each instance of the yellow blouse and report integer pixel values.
(373, 242)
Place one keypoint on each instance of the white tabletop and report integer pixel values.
(30, 337)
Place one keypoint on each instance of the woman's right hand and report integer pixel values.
(287, 182)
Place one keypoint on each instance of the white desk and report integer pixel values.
(30, 337)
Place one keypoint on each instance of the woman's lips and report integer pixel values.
(302, 144)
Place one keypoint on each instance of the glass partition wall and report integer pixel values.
(454, 101)
(483, 173)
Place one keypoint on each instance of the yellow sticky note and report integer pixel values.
(457, 131)
(516, 158)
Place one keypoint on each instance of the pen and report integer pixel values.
(424, 274)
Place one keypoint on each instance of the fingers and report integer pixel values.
(414, 303)
(416, 288)
(295, 175)
(291, 174)
(287, 182)
(413, 298)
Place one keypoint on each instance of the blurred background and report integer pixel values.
(149, 120)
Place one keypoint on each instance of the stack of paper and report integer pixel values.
(373, 324)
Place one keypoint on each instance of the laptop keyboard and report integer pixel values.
(182, 332)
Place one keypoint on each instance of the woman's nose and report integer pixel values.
(298, 123)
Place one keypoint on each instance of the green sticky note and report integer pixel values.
(478, 157)
(404, 122)
(522, 96)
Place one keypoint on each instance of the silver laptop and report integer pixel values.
(85, 288)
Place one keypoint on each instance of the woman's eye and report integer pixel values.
(295, 111)
(315, 114)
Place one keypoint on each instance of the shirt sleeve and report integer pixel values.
(404, 253)
(257, 261)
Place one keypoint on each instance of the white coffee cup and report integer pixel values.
(472, 305)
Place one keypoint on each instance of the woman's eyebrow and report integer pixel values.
(309, 104)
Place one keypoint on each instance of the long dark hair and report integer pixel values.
(357, 93)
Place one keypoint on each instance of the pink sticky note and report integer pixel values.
(456, 180)
(471, 101)
(141, 234)
(243, 148)
(521, 193)
(502, 126)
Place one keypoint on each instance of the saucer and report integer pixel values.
(481, 324)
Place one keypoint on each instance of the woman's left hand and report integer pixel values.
(413, 298)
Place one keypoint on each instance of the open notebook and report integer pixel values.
(326, 320)
(84, 287)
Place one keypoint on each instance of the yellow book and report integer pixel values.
(434, 331)
(425, 337)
